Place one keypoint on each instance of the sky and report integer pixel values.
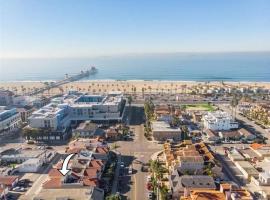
(84, 28)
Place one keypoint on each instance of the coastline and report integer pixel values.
(104, 86)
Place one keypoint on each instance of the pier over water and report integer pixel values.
(68, 79)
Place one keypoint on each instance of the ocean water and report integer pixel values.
(178, 66)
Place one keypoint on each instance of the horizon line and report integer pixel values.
(134, 54)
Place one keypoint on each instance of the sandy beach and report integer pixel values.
(103, 86)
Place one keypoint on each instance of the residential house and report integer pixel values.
(85, 129)
(7, 183)
(180, 184)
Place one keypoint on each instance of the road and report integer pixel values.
(139, 149)
(247, 123)
(134, 186)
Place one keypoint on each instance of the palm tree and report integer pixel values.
(129, 100)
(143, 89)
(234, 104)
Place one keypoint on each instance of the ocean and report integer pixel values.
(177, 66)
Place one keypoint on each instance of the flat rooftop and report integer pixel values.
(161, 126)
(70, 193)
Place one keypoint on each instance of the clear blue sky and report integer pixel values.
(75, 28)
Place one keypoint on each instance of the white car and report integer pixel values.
(130, 170)
(148, 178)
(150, 195)
(16, 189)
(122, 164)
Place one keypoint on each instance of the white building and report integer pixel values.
(59, 114)
(30, 166)
(264, 178)
(97, 108)
(9, 119)
(52, 116)
(219, 121)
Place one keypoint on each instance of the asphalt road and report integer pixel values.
(133, 186)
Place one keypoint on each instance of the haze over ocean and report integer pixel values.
(177, 66)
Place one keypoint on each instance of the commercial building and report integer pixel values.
(9, 119)
(73, 109)
(219, 121)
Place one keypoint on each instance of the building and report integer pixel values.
(52, 116)
(211, 135)
(10, 120)
(21, 155)
(75, 193)
(247, 169)
(26, 112)
(72, 109)
(85, 129)
(97, 108)
(235, 155)
(264, 178)
(8, 182)
(6, 98)
(230, 135)
(179, 185)
(112, 133)
(219, 121)
(262, 150)
(245, 134)
(204, 195)
(190, 164)
(31, 165)
(163, 131)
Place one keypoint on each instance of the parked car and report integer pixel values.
(122, 164)
(130, 170)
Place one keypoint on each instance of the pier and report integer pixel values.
(68, 79)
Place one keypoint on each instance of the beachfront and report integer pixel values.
(130, 86)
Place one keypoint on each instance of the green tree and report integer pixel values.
(113, 197)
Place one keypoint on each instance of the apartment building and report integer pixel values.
(10, 119)
(219, 120)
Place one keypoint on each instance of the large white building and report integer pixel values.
(219, 121)
(62, 111)
(52, 116)
(9, 119)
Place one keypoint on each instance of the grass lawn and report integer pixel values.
(204, 107)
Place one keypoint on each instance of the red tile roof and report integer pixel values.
(54, 173)
(91, 172)
(52, 183)
(98, 164)
(90, 182)
(8, 180)
(102, 150)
